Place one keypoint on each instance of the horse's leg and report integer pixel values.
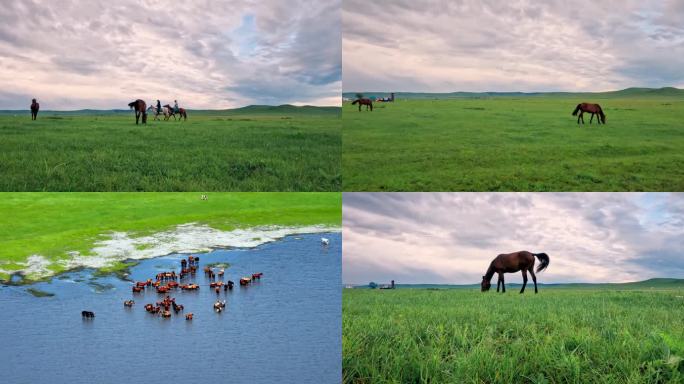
(524, 272)
(498, 284)
(534, 278)
(592, 117)
(137, 116)
(503, 282)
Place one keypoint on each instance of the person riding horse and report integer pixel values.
(175, 106)
(159, 109)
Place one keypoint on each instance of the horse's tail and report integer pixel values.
(603, 115)
(356, 101)
(579, 106)
(543, 261)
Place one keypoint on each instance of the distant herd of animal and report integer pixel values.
(140, 108)
(581, 108)
(167, 282)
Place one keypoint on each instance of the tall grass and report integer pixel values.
(514, 144)
(557, 336)
(254, 150)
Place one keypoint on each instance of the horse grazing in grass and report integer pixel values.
(514, 262)
(594, 109)
(140, 109)
(362, 101)
(34, 109)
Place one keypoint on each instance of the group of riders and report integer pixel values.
(173, 110)
(158, 110)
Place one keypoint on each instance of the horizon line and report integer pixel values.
(188, 109)
(556, 91)
(538, 283)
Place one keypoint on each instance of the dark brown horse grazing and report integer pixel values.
(594, 109)
(514, 262)
(140, 109)
(362, 101)
(34, 109)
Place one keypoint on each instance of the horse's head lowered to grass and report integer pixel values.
(485, 284)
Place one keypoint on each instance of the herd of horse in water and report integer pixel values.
(167, 282)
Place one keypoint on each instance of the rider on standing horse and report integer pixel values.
(175, 106)
(158, 106)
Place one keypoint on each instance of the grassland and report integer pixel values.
(516, 143)
(251, 149)
(561, 335)
(52, 224)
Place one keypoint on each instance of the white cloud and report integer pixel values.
(103, 54)
(475, 45)
(452, 237)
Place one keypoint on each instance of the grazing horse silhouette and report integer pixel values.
(514, 262)
(140, 109)
(362, 101)
(34, 109)
(594, 109)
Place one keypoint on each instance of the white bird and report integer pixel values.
(324, 241)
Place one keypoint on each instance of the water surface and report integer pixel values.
(285, 328)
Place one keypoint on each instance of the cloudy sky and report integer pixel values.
(521, 45)
(206, 54)
(452, 237)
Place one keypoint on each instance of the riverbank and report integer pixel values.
(49, 233)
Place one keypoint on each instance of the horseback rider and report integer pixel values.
(175, 106)
(158, 106)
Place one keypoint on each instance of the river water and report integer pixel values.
(284, 328)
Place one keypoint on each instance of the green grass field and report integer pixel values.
(509, 143)
(561, 335)
(251, 149)
(51, 224)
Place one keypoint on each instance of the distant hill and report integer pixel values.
(656, 283)
(280, 110)
(285, 109)
(669, 92)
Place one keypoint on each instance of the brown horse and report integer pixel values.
(140, 109)
(362, 101)
(594, 109)
(514, 262)
(182, 114)
(34, 109)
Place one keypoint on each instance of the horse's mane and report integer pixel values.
(574, 113)
(490, 271)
